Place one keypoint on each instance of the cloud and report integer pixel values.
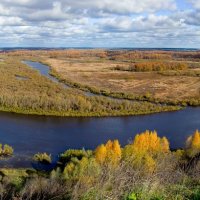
(98, 23)
(51, 10)
(195, 3)
(141, 23)
(121, 7)
(193, 18)
(111, 6)
(52, 14)
(11, 21)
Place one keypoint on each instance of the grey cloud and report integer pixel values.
(193, 18)
(35, 9)
(33, 4)
(141, 23)
(195, 3)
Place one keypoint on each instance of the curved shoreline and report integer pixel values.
(84, 114)
(135, 109)
(117, 95)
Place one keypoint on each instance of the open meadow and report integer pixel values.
(156, 76)
(135, 87)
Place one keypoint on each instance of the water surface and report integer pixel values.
(43, 69)
(31, 134)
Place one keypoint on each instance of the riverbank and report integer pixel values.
(99, 76)
(123, 95)
(156, 109)
(94, 91)
(39, 95)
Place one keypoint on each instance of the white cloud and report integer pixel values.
(123, 6)
(98, 23)
(11, 21)
(141, 23)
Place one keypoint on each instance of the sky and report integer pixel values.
(100, 23)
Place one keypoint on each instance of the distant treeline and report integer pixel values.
(118, 55)
(153, 55)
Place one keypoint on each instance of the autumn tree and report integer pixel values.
(193, 144)
(150, 142)
(108, 153)
(101, 154)
(145, 150)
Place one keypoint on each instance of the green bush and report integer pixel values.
(196, 195)
(131, 196)
(42, 158)
(70, 154)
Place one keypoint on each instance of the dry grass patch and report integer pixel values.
(102, 75)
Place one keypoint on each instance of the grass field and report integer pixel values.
(169, 78)
(166, 86)
(24, 90)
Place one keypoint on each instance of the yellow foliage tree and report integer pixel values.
(108, 153)
(100, 154)
(193, 144)
(165, 144)
(145, 149)
(149, 141)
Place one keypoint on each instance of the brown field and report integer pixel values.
(98, 69)
(101, 75)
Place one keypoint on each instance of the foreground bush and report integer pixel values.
(145, 169)
(193, 144)
(110, 152)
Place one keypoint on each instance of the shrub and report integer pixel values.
(193, 144)
(6, 150)
(42, 158)
(131, 196)
(157, 66)
(70, 154)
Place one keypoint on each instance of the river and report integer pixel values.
(32, 134)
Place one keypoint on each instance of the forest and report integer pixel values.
(144, 169)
